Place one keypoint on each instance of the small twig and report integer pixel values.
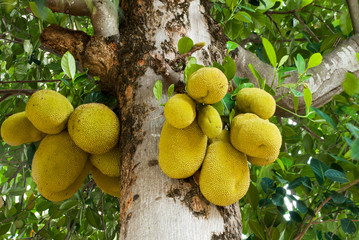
(320, 19)
(308, 130)
(332, 220)
(182, 58)
(47, 223)
(276, 26)
(330, 9)
(73, 225)
(306, 27)
(353, 7)
(14, 174)
(33, 81)
(27, 92)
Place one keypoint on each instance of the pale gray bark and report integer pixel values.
(353, 6)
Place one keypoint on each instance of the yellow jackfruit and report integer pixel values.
(256, 100)
(108, 163)
(94, 128)
(70, 190)
(224, 177)
(262, 161)
(110, 185)
(224, 137)
(17, 130)
(180, 111)
(210, 121)
(207, 85)
(57, 162)
(181, 151)
(48, 111)
(256, 137)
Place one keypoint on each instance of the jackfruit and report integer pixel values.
(94, 128)
(108, 163)
(70, 190)
(180, 111)
(207, 85)
(224, 137)
(17, 130)
(256, 100)
(256, 137)
(181, 151)
(48, 111)
(57, 162)
(110, 185)
(210, 121)
(224, 177)
(262, 161)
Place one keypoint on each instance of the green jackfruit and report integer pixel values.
(207, 85)
(180, 111)
(224, 177)
(256, 100)
(108, 163)
(94, 127)
(57, 162)
(110, 185)
(17, 130)
(70, 190)
(48, 111)
(181, 151)
(256, 138)
(210, 121)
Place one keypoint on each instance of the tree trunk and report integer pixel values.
(153, 206)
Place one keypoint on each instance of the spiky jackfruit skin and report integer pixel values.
(70, 190)
(210, 121)
(207, 85)
(224, 137)
(224, 177)
(262, 161)
(94, 127)
(57, 162)
(48, 111)
(181, 151)
(256, 100)
(256, 137)
(17, 130)
(108, 163)
(180, 111)
(110, 185)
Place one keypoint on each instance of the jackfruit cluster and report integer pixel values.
(74, 142)
(193, 139)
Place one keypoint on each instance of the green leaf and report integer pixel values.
(17, 191)
(314, 60)
(267, 184)
(307, 99)
(253, 196)
(157, 90)
(28, 46)
(68, 204)
(305, 2)
(325, 117)
(283, 60)
(300, 63)
(336, 175)
(231, 115)
(191, 68)
(258, 77)
(4, 228)
(219, 107)
(42, 12)
(93, 218)
(185, 44)
(355, 149)
(319, 168)
(230, 67)
(68, 64)
(301, 206)
(231, 3)
(233, 29)
(348, 226)
(329, 42)
(270, 52)
(295, 216)
(357, 54)
(296, 93)
(353, 130)
(346, 23)
(351, 84)
(296, 183)
(295, 103)
(338, 197)
(257, 229)
(231, 46)
(243, 17)
(170, 90)
(278, 199)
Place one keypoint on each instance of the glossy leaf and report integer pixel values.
(170, 90)
(68, 65)
(314, 60)
(229, 67)
(351, 84)
(348, 226)
(93, 218)
(307, 99)
(157, 90)
(185, 44)
(231, 46)
(336, 175)
(257, 229)
(325, 117)
(319, 168)
(270, 52)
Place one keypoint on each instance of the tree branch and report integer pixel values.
(306, 27)
(353, 6)
(103, 13)
(27, 92)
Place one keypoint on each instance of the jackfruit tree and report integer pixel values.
(303, 54)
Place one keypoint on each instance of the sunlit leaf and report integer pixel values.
(185, 44)
(270, 52)
(68, 65)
